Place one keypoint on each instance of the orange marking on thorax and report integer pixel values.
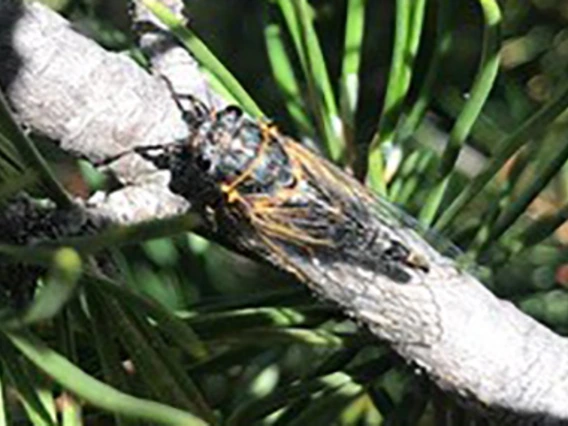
(231, 188)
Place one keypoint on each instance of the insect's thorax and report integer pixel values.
(243, 155)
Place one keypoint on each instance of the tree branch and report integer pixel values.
(99, 105)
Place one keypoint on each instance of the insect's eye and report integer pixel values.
(203, 163)
(233, 111)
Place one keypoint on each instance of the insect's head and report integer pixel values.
(220, 146)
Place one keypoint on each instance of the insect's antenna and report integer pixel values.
(194, 111)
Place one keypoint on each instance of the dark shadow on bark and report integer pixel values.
(10, 62)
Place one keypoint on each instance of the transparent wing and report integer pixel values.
(387, 212)
(442, 244)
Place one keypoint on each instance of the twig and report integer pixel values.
(99, 105)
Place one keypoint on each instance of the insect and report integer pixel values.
(264, 189)
(266, 195)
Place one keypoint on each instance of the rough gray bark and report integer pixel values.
(99, 104)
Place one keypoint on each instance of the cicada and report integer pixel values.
(258, 184)
(268, 195)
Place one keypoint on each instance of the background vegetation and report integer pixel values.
(204, 330)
